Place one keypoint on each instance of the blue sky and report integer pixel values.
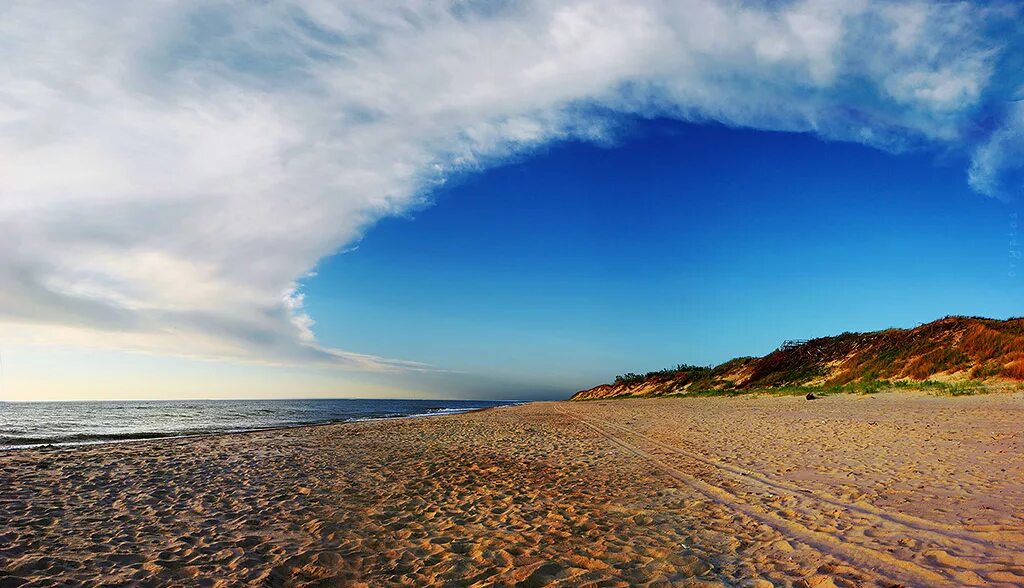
(529, 196)
(680, 243)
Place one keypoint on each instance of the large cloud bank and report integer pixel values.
(171, 171)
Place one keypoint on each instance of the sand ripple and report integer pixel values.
(847, 491)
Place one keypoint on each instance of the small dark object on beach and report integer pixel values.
(811, 396)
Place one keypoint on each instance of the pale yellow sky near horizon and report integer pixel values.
(41, 372)
(53, 373)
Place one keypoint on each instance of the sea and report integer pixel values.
(29, 424)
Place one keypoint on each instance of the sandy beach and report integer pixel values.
(876, 490)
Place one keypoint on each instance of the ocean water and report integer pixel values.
(26, 424)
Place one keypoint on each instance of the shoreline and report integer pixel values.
(172, 436)
(759, 394)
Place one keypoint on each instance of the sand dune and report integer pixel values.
(881, 490)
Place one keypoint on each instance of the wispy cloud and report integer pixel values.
(171, 171)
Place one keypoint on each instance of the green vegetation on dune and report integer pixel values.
(966, 388)
(955, 355)
(691, 371)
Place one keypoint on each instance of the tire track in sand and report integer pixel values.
(883, 565)
(938, 532)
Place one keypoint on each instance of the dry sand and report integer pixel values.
(881, 490)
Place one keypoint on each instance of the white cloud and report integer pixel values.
(171, 171)
(1002, 154)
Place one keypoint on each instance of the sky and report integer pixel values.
(490, 199)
